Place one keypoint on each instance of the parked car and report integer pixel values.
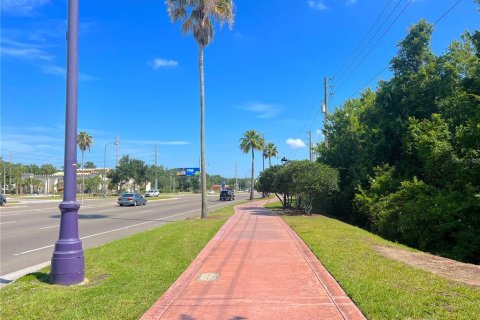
(152, 193)
(227, 195)
(210, 192)
(131, 199)
(3, 199)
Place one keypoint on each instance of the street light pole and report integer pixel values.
(68, 262)
(105, 169)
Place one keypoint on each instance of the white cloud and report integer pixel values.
(61, 71)
(23, 51)
(317, 5)
(162, 63)
(264, 110)
(296, 143)
(350, 2)
(35, 54)
(22, 7)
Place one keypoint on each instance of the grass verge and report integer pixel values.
(382, 288)
(125, 277)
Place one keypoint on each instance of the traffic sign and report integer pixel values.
(188, 172)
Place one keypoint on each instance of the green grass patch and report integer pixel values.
(125, 276)
(383, 288)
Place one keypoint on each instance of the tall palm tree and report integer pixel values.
(270, 151)
(252, 140)
(84, 141)
(201, 15)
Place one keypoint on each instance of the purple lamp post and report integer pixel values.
(68, 262)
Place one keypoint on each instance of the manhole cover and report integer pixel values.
(208, 276)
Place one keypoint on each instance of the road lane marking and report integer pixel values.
(14, 207)
(146, 211)
(8, 222)
(118, 229)
(49, 227)
(106, 210)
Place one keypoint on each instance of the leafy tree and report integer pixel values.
(252, 140)
(92, 184)
(84, 141)
(313, 179)
(90, 165)
(48, 169)
(408, 153)
(201, 16)
(129, 170)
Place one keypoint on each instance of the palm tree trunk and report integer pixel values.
(269, 162)
(252, 183)
(83, 177)
(203, 174)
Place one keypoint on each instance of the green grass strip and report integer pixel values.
(383, 288)
(125, 276)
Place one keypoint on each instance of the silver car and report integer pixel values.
(131, 199)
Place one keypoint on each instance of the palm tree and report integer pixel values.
(252, 140)
(201, 14)
(84, 141)
(269, 152)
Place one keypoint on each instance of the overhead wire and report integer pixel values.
(376, 43)
(385, 67)
(339, 76)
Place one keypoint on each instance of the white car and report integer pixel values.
(210, 192)
(152, 193)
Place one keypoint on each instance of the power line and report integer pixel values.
(375, 45)
(384, 68)
(447, 12)
(364, 37)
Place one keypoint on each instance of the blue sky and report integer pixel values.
(139, 74)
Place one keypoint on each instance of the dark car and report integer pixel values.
(227, 195)
(3, 199)
(131, 199)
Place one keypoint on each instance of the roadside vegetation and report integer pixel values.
(125, 277)
(382, 288)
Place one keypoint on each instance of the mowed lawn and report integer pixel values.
(383, 288)
(125, 277)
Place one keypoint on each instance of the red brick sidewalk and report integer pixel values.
(255, 267)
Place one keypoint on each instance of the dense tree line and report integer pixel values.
(409, 153)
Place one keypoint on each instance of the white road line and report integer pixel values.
(8, 222)
(17, 214)
(14, 207)
(106, 210)
(146, 211)
(118, 229)
(50, 227)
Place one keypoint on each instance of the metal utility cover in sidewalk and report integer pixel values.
(208, 276)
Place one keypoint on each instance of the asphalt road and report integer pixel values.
(28, 230)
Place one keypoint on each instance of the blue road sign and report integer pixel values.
(188, 172)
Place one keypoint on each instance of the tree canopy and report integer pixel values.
(408, 153)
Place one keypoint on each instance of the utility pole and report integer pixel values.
(156, 178)
(325, 108)
(10, 176)
(4, 176)
(310, 145)
(117, 142)
(236, 179)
